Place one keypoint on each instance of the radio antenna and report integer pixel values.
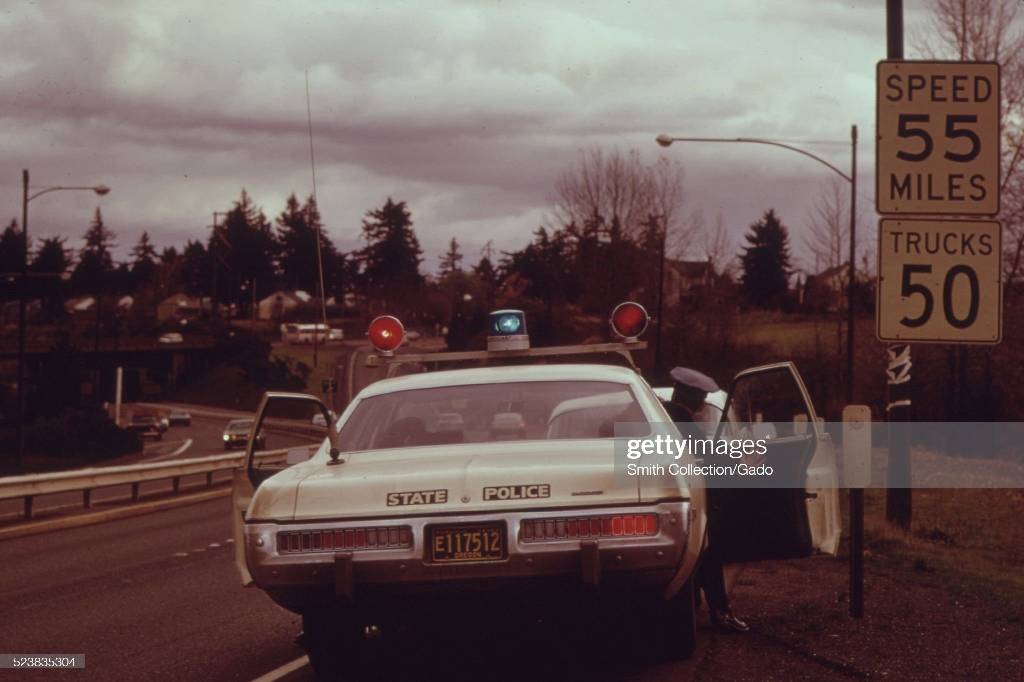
(319, 257)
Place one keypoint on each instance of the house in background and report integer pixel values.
(830, 285)
(181, 307)
(79, 305)
(685, 279)
(278, 304)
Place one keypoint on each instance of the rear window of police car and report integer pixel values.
(480, 413)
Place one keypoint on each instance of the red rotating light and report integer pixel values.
(386, 333)
(629, 320)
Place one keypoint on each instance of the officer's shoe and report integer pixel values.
(724, 621)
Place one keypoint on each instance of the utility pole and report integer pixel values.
(897, 493)
(856, 494)
(214, 255)
(661, 293)
(851, 286)
(21, 324)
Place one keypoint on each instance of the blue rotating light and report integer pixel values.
(509, 323)
(507, 331)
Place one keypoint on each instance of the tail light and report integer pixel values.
(589, 527)
(386, 537)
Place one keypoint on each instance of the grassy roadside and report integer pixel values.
(328, 357)
(970, 540)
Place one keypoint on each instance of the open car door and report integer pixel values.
(756, 522)
(282, 434)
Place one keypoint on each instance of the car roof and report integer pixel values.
(508, 374)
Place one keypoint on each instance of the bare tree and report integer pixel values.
(828, 228)
(827, 238)
(606, 190)
(985, 30)
(718, 247)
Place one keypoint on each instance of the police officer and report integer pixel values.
(690, 391)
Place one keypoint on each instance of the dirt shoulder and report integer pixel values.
(945, 602)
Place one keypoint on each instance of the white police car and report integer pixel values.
(406, 511)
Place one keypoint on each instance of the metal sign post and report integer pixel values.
(856, 477)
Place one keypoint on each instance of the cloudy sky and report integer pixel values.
(468, 110)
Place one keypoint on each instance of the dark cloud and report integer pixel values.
(468, 111)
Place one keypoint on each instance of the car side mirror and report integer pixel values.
(283, 428)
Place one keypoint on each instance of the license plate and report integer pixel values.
(453, 544)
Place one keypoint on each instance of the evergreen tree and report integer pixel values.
(542, 267)
(12, 248)
(297, 228)
(95, 263)
(392, 255)
(488, 277)
(51, 257)
(249, 249)
(144, 260)
(765, 262)
(451, 259)
(169, 255)
(196, 274)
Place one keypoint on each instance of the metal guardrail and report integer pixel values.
(86, 480)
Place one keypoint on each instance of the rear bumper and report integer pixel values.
(648, 563)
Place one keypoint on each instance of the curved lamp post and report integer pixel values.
(666, 140)
(26, 197)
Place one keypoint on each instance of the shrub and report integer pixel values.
(88, 434)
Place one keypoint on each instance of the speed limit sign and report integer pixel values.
(939, 281)
(938, 138)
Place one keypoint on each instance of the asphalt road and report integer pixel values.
(200, 439)
(157, 596)
(154, 597)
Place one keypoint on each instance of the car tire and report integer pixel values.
(332, 639)
(675, 624)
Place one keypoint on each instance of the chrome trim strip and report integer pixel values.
(665, 550)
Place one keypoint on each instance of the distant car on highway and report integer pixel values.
(236, 434)
(171, 337)
(505, 425)
(180, 418)
(165, 422)
(449, 421)
(146, 425)
(335, 335)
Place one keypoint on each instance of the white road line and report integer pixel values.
(167, 455)
(286, 669)
(184, 446)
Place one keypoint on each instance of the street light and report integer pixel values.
(666, 140)
(26, 197)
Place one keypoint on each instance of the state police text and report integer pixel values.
(664, 445)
